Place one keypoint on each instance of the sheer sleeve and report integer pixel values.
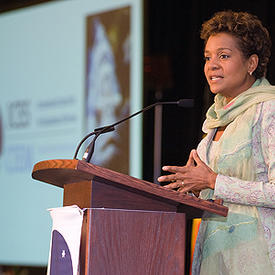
(260, 192)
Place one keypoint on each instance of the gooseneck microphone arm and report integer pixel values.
(185, 103)
(86, 137)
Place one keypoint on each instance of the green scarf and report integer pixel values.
(222, 113)
(241, 229)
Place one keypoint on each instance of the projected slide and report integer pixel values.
(108, 79)
(67, 67)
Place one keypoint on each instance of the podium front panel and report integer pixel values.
(121, 242)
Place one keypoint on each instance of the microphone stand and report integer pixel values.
(157, 143)
(98, 131)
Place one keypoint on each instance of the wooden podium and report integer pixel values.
(131, 226)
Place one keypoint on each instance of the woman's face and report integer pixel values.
(226, 69)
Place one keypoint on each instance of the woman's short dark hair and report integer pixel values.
(252, 36)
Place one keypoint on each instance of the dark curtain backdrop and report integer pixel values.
(174, 69)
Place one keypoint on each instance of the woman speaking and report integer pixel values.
(235, 162)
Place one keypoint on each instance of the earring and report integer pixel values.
(250, 73)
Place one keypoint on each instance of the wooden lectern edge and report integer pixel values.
(155, 189)
(55, 163)
(58, 171)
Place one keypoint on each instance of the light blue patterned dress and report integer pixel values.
(243, 242)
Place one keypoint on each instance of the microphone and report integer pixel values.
(184, 103)
(89, 135)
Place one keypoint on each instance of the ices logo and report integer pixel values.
(19, 114)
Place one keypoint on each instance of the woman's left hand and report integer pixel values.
(194, 176)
